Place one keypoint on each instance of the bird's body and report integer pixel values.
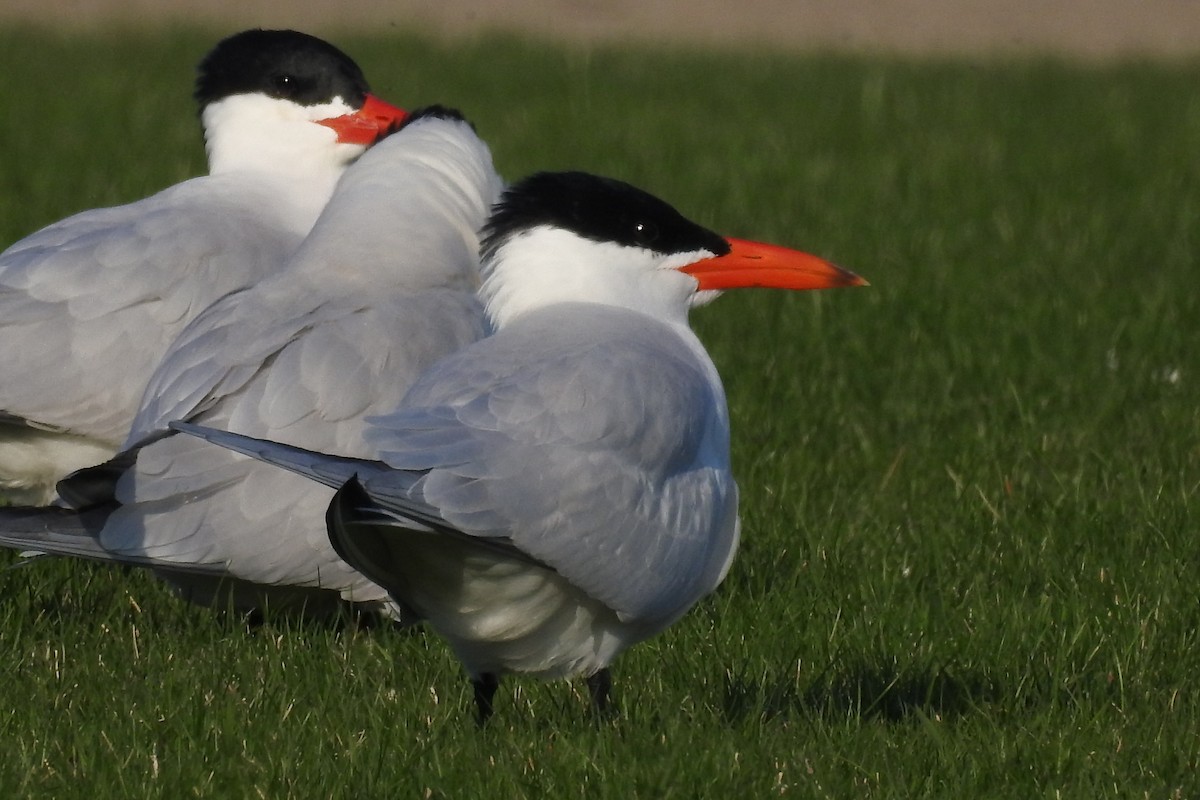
(89, 304)
(382, 288)
(79, 291)
(561, 490)
(584, 470)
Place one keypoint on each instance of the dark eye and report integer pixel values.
(282, 83)
(644, 233)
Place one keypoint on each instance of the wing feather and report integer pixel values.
(103, 293)
(301, 358)
(600, 451)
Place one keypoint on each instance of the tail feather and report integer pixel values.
(371, 494)
(64, 532)
(54, 531)
(332, 471)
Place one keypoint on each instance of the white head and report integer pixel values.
(286, 102)
(576, 237)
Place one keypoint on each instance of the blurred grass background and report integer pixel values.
(969, 552)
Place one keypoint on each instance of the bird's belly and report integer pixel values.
(501, 613)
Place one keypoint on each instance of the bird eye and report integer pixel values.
(644, 233)
(282, 83)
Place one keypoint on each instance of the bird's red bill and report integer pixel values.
(365, 126)
(756, 264)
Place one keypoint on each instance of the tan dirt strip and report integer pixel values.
(1085, 29)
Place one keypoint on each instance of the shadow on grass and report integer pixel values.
(70, 593)
(878, 691)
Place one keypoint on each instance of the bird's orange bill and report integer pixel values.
(767, 265)
(365, 126)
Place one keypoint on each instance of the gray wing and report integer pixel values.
(328, 470)
(400, 234)
(89, 305)
(186, 501)
(595, 441)
(302, 358)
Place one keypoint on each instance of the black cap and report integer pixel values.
(284, 64)
(596, 208)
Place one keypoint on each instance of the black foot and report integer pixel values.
(485, 690)
(599, 686)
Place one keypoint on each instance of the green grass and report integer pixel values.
(969, 561)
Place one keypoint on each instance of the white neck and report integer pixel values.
(255, 133)
(547, 265)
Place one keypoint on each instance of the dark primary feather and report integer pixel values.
(93, 487)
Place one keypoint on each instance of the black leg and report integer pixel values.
(599, 685)
(485, 690)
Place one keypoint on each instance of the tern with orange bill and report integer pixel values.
(560, 490)
(384, 286)
(89, 304)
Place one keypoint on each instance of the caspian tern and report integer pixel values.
(89, 304)
(384, 286)
(560, 490)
